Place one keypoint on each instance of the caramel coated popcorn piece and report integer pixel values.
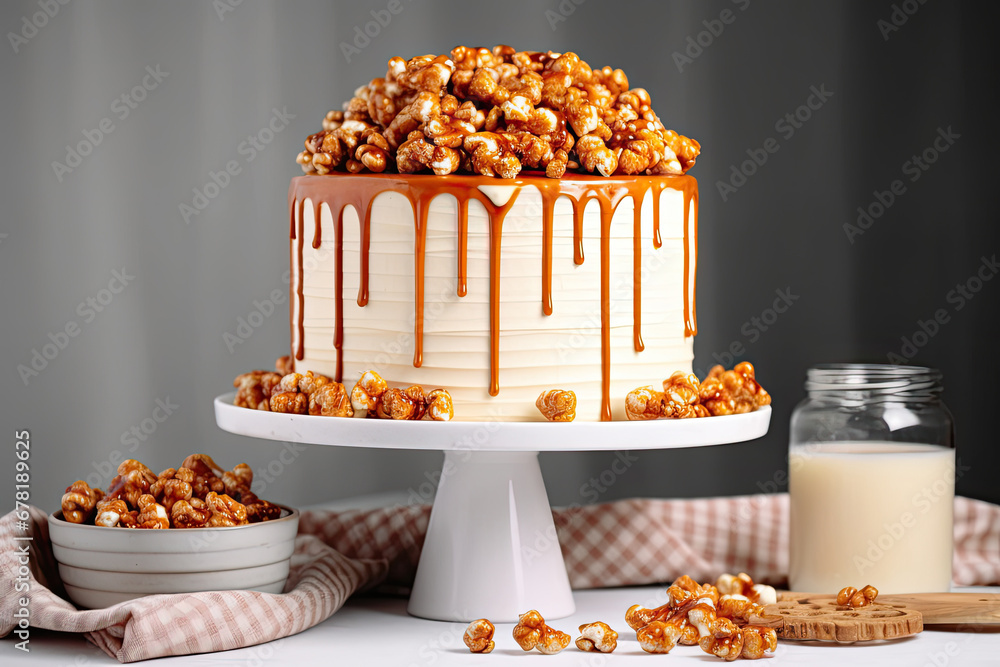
(532, 632)
(114, 512)
(854, 598)
(80, 501)
(331, 400)
(440, 407)
(644, 403)
(133, 480)
(289, 402)
(367, 391)
(479, 636)
(225, 511)
(681, 397)
(557, 405)
(597, 636)
(190, 514)
(406, 404)
(658, 637)
(152, 514)
(731, 642)
(742, 584)
(172, 485)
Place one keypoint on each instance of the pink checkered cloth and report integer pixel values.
(338, 553)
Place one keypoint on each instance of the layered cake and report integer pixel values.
(497, 223)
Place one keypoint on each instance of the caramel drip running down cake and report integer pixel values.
(497, 223)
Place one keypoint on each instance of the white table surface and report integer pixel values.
(378, 631)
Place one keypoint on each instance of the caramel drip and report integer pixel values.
(300, 352)
(497, 215)
(637, 343)
(338, 287)
(578, 212)
(291, 263)
(419, 251)
(547, 256)
(463, 247)
(360, 191)
(657, 189)
(366, 242)
(690, 257)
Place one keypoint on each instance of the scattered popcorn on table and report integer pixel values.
(532, 632)
(479, 636)
(597, 636)
(701, 614)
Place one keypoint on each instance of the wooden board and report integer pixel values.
(822, 619)
(816, 616)
(936, 608)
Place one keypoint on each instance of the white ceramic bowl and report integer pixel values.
(104, 566)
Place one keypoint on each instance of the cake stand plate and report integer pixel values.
(491, 549)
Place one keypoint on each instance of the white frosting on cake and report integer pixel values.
(537, 352)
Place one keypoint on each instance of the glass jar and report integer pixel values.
(871, 467)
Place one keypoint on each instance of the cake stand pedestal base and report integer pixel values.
(491, 549)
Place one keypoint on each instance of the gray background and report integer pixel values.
(162, 336)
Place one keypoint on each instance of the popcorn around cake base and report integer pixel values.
(496, 290)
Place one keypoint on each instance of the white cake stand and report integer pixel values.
(491, 549)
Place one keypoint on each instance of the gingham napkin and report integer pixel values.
(337, 553)
(641, 541)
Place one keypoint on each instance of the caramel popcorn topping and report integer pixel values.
(495, 112)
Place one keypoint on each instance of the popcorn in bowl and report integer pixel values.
(199, 493)
(135, 539)
(495, 112)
